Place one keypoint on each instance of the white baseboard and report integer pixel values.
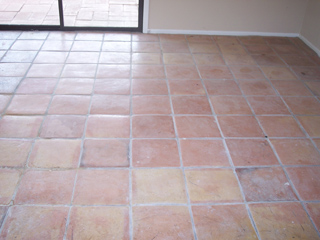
(313, 47)
(226, 33)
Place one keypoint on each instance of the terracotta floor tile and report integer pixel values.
(235, 59)
(226, 39)
(114, 58)
(222, 87)
(102, 187)
(99, 223)
(278, 73)
(4, 100)
(286, 49)
(27, 45)
(252, 87)
(199, 38)
(175, 47)
(268, 60)
(208, 59)
(303, 105)
(79, 71)
(203, 153)
(113, 71)
(191, 105)
(158, 186)
(3, 212)
(141, 37)
(89, 36)
(223, 222)
(307, 73)
(186, 87)
(37, 86)
(203, 48)
(152, 127)
(288, 220)
(55, 153)
(146, 47)
(19, 56)
(105, 153)
(280, 126)
(215, 72)
(155, 153)
(311, 125)
(108, 127)
(35, 222)
(151, 105)
(149, 87)
(251, 40)
(291, 88)
(164, 222)
(265, 184)
(232, 49)
(9, 84)
(54, 45)
(314, 87)
(317, 142)
(259, 49)
(230, 105)
(177, 58)
(28, 104)
(314, 211)
(268, 105)
(251, 152)
(86, 46)
(278, 40)
(83, 57)
(112, 86)
(247, 72)
(296, 151)
(63, 126)
(240, 126)
(298, 60)
(51, 57)
(9, 179)
(77, 86)
(13, 69)
(213, 186)
(46, 187)
(146, 58)
(67, 105)
(14, 153)
(20, 126)
(45, 70)
(147, 71)
(188, 72)
(197, 126)
(117, 37)
(110, 104)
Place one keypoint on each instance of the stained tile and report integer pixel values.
(9, 179)
(46, 187)
(110, 104)
(196, 126)
(291, 88)
(14, 153)
(186, 87)
(152, 127)
(230, 105)
(147, 71)
(303, 105)
(55, 153)
(158, 186)
(215, 72)
(203, 153)
(36, 222)
(28, 104)
(223, 222)
(151, 105)
(155, 153)
(278, 73)
(240, 126)
(112, 86)
(267, 105)
(182, 72)
(105, 153)
(252, 87)
(222, 87)
(37, 86)
(164, 222)
(149, 87)
(212, 186)
(251, 152)
(108, 127)
(99, 223)
(75, 86)
(102, 187)
(191, 105)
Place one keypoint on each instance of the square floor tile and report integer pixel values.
(222, 87)
(223, 222)
(291, 88)
(87, 46)
(51, 57)
(79, 71)
(314, 87)
(158, 186)
(112, 86)
(4, 100)
(151, 105)
(102, 187)
(9, 179)
(296, 151)
(178, 58)
(37, 86)
(152, 127)
(251, 152)
(77, 86)
(230, 105)
(149, 87)
(282, 219)
(286, 49)
(240, 126)
(232, 49)
(146, 58)
(83, 57)
(117, 37)
(235, 59)
(36, 222)
(105, 153)
(46, 187)
(55, 153)
(114, 58)
(191, 105)
(68, 105)
(106, 104)
(306, 181)
(20, 126)
(99, 223)
(196, 126)
(142, 37)
(208, 59)
(265, 184)
(278, 73)
(201, 47)
(54, 45)
(247, 72)
(63, 126)
(280, 126)
(199, 38)
(155, 153)
(260, 49)
(184, 72)
(164, 222)
(147, 71)
(108, 127)
(14, 153)
(14, 69)
(251, 40)
(215, 72)
(116, 47)
(203, 153)
(113, 71)
(268, 60)
(253, 87)
(27, 45)
(9, 84)
(303, 105)
(28, 104)
(298, 60)
(314, 211)
(311, 125)
(145, 47)
(172, 38)
(263, 105)
(213, 186)
(175, 47)
(186, 87)
(45, 70)
(307, 73)
(19, 56)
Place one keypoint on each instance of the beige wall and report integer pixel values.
(270, 16)
(311, 24)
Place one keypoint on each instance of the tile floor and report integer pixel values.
(132, 136)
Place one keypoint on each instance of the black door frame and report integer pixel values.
(62, 27)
